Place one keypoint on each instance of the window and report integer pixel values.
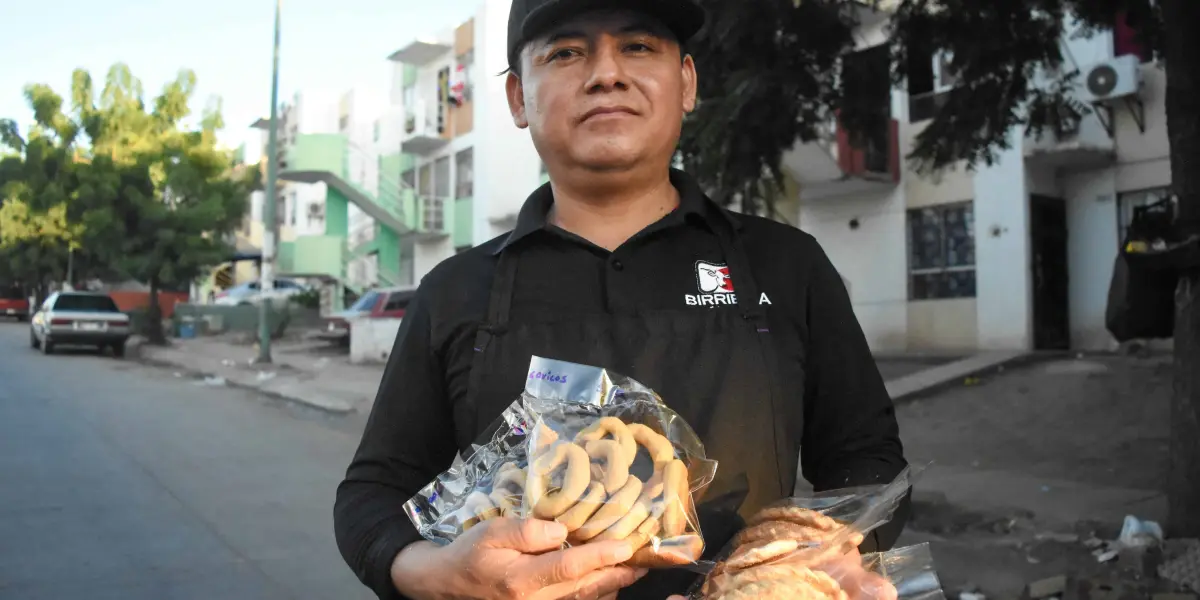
(343, 123)
(464, 174)
(397, 301)
(85, 303)
(941, 249)
(1128, 201)
(441, 177)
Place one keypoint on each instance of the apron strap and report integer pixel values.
(744, 284)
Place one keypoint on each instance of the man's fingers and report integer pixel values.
(602, 584)
(575, 563)
(529, 536)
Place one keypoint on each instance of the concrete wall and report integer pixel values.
(371, 340)
(877, 280)
(1004, 308)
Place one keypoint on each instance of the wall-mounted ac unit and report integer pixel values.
(1118, 77)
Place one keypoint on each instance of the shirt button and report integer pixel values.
(618, 265)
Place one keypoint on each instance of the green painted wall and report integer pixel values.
(410, 75)
(285, 260)
(337, 214)
(320, 254)
(388, 245)
(463, 233)
(319, 152)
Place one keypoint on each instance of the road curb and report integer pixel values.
(1015, 362)
(140, 357)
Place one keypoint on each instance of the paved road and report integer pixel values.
(121, 481)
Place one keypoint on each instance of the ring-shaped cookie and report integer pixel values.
(617, 506)
(615, 470)
(610, 427)
(475, 508)
(670, 552)
(548, 504)
(660, 448)
(508, 487)
(583, 510)
(626, 525)
(675, 494)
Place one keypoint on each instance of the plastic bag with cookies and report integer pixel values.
(596, 451)
(807, 545)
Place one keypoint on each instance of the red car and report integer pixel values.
(382, 303)
(14, 304)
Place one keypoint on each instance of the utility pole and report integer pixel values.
(267, 270)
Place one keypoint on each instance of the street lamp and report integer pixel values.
(266, 271)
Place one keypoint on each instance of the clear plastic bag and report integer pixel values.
(801, 544)
(596, 451)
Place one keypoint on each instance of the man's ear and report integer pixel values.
(689, 84)
(515, 91)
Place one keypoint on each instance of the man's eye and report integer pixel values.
(560, 54)
(638, 47)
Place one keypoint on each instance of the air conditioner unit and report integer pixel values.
(1118, 77)
(316, 211)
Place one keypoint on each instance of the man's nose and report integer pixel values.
(608, 71)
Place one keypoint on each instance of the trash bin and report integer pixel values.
(187, 329)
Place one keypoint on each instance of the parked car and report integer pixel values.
(14, 303)
(249, 293)
(79, 319)
(383, 303)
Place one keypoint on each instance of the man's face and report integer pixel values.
(603, 92)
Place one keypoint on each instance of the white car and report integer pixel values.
(79, 319)
(248, 293)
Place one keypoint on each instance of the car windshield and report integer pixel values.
(85, 303)
(366, 302)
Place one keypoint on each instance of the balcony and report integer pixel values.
(421, 52)
(423, 133)
(1078, 138)
(835, 165)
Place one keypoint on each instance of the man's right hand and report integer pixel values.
(510, 559)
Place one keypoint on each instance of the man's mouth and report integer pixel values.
(608, 112)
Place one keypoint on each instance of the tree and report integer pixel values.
(148, 195)
(772, 72)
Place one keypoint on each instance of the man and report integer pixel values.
(741, 324)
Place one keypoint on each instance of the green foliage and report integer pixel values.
(771, 73)
(127, 182)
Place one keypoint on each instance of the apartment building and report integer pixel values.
(449, 115)
(1017, 255)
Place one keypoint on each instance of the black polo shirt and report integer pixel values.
(410, 436)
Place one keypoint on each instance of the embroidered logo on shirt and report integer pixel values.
(716, 287)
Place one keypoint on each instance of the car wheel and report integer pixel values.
(119, 350)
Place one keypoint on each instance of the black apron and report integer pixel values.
(717, 367)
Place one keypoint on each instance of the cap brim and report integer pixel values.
(683, 17)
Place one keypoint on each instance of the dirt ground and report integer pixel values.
(1027, 464)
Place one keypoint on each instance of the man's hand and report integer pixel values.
(510, 559)
(856, 580)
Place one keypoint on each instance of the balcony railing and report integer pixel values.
(424, 129)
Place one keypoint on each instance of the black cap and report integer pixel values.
(529, 18)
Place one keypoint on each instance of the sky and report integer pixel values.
(326, 44)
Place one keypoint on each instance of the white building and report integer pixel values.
(449, 141)
(1018, 255)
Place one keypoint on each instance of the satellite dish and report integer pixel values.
(1102, 80)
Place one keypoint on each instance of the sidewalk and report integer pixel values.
(299, 372)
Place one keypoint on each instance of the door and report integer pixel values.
(1048, 237)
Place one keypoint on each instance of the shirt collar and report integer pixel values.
(693, 204)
